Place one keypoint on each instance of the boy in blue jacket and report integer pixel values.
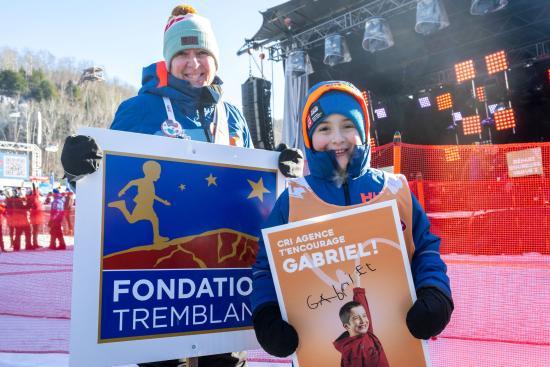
(335, 129)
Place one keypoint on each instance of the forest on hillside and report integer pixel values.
(43, 99)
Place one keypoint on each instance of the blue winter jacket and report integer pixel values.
(146, 112)
(427, 267)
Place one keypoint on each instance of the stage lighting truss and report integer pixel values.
(452, 154)
(465, 71)
(457, 116)
(505, 119)
(496, 62)
(381, 113)
(424, 102)
(480, 94)
(444, 102)
(471, 125)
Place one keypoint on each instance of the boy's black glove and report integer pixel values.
(291, 161)
(430, 313)
(276, 336)
(80, 156)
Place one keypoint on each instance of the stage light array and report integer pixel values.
(444, 101)
(457, 116)
(548, 76)
(465, 71)
(471, 125)
(365, 96)
(372, 143)
(380, 113)
(480, 94)
(492, 108)
(505, 119)
(452, 154)
(496, 62)
(424, 102)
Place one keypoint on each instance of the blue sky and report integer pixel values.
(123, 35)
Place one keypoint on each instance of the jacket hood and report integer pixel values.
(156, 80)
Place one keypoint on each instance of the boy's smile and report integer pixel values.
(337, 133)
(358, 321)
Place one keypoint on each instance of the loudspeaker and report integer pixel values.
(256, 94)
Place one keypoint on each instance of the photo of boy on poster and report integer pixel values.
(358, 344)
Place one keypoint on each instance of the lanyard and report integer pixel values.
(221, 135)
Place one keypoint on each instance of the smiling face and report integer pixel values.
(337, 133)
(358, 321)
(194, 65)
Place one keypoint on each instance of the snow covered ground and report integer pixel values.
(501, 318)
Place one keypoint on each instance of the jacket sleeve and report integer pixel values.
(263, 288)
(428, 269)
(128, 116)
(238, 125)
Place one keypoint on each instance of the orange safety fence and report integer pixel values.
(472, 197)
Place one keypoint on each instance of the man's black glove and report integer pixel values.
(291, 161)
(276, 336)
(80, 156)
(430, 313)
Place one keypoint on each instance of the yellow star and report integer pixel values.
(258, 189)
(211, 180)
(182, 187)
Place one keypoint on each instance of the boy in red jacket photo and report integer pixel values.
(358, 344)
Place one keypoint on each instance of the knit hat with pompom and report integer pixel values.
(186, 29)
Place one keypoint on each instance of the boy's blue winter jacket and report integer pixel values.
(427, 267)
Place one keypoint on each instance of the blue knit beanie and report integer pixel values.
(335, 102)
(186, 29)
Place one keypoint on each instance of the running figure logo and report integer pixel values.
(144, 199)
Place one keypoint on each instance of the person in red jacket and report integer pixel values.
(20, 221)
(358, 344)
(2, 213)
(36, 215)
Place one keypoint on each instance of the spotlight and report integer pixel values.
(496, 62)
(444, 102)
(482, 7)
(452, 154)
(457, 116)
(505, 119)
(424, 102)
(430, 17)
(380, 113)
(336, 50)
(480, 94)
(365, 95)
(465, 71)
(471, 125)
(298, 63)
(377, 36)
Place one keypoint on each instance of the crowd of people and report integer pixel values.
(25, 215)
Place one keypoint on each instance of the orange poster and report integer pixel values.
(343, 281)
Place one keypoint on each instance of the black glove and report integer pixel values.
(430, 313)
(80, 156)
(276, 336)
(291, 161)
